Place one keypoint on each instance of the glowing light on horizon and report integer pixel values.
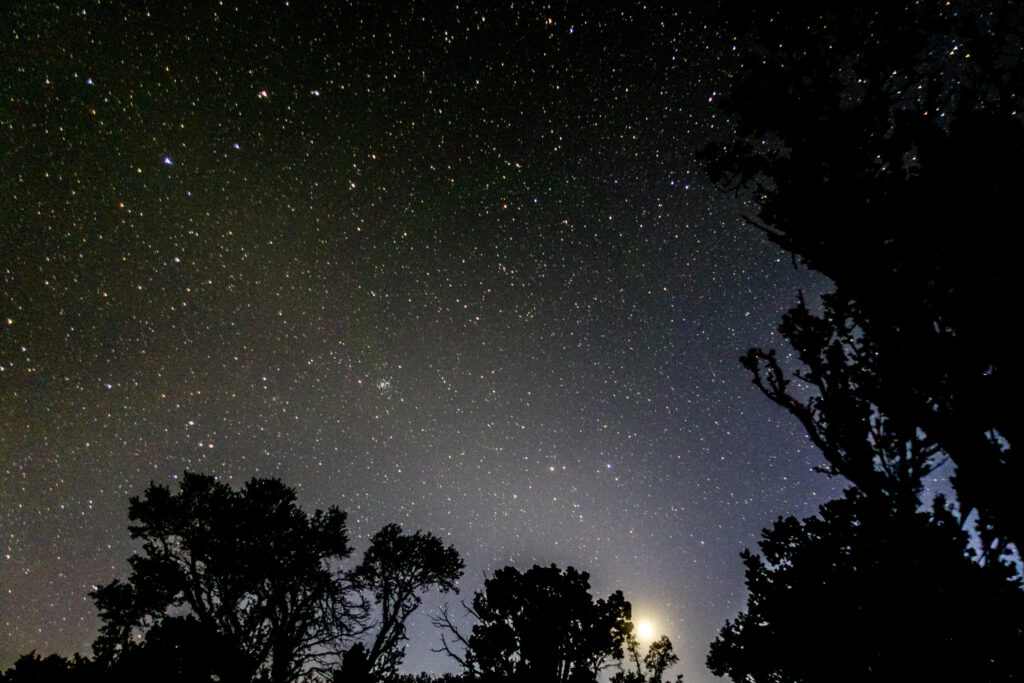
(644, 630)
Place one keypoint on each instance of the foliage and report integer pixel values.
(31, 668)
(243, 585)
(862, 594)
(631, 659)
(886, 458)
(541, 625)
(248, 565)
(355, 666)
(397, 568)
(659, 658)
(651, 668)
(888, 160)
(180, 649)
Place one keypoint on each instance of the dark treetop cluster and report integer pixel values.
(245, 586)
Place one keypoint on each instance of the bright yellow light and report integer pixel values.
(644, 630)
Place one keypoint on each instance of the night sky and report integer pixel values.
(448, 265)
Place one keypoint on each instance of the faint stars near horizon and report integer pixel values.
(455, 268)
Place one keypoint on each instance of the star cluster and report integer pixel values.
(442, 264)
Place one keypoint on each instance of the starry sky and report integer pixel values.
(450, 265)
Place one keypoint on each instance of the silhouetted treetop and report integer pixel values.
(883, 146)
(857, 594)
(249, 565)
(397, 568)
(541, 625)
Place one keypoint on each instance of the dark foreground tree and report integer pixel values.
(883, 145)
(31, 668)
(863, 594)
(180, 649)
(542, 625)
(397, 569)
(355, 666)
(248, 566)
(886, 458)
(825, 588)
(887, 159)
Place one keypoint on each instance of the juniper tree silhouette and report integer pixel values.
(540, 625)
(180, 649)
(243, 585)
(248, 565)
(651, 667)
(862, 593)
(659, 658)
(882, 145)
(32, 668)
(397, 569)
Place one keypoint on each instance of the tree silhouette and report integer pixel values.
(889, 160)
(659, 658)
(826, 587)
(355, 666)
(181, 649)
(397, 568)
(248, 565)
(542, 625)
(651, 667)
(633, 660)
(862, 593)
(31, 668)
(886, 458)
(243, 585)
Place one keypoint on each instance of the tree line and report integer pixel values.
(243, 585)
